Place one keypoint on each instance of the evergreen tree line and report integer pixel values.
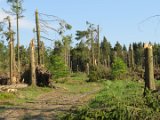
(64, 59)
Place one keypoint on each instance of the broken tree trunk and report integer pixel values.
(98, 46)
(42, 52)
(38, 36)
(11, 51)
(131, 57)
(87, 69)
(32, 60)
(149, 72)
(108, 61)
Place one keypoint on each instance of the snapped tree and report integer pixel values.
(149, 72)
(16, 10)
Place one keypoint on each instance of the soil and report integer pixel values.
(49, 106)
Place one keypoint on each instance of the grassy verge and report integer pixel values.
(23, 95)
(120, 100)
(77, 84)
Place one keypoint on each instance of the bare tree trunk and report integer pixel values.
(149, 72)
(98, 46)
(32, 62)
(108, 61)
(131, 57)
(71, 67)
(38, 36)
(18, 45)
(11, 46)
(92, 49)
(87, 69)
(69, 59)
(11, 60)
(42, 53)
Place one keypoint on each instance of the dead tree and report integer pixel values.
(42, 53)
(32, 63)
(98, 45)
(38, 35)
(131, 57)
(11, 53)
(149, 72)
(108, 61)
(87, 70)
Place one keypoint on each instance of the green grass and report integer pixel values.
(119, 92)
(120, 100)
(77, 84)
(23, 95)
(79, 76)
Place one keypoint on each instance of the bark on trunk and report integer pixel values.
(33, 74)
(149, 72)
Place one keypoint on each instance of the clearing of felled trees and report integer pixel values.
(91, 80)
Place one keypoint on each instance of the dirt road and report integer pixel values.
(47, 106)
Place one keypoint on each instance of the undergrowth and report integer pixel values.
(120, 100)
(23, 95)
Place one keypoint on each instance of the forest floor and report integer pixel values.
(52, 104)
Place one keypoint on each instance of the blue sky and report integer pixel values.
(118, 19)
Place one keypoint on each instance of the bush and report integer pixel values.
(119, 69)
(98, 72)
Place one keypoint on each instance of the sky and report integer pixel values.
(119, 20)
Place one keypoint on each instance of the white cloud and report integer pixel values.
(26, 24)
(23, 23)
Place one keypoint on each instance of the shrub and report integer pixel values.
(119, 69)
(98, 72)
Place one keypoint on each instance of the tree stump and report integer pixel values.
(149, 71)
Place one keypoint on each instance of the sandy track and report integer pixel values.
(47, 106)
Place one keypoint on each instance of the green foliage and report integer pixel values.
(120, 100)
(105, 50)
(23, 95)
(119, 69)
(82, 34)
(68, 26)
(4, 96)
(3, 56)
(16, 7)
(152, 100)
(80, 57)
(138, 53)
(98, 73)
(57, 67)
